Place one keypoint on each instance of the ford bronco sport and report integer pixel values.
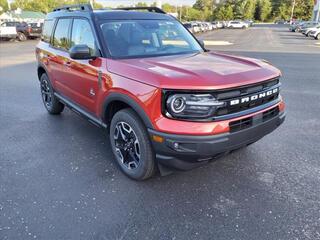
(164, 99)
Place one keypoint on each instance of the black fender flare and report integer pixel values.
(41, 66)
(130, 102)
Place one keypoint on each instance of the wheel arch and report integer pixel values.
(41, 70)
(117, 101)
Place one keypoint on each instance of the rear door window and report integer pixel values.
(47, 30)
(61, 34)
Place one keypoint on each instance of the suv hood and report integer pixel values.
(201, 71)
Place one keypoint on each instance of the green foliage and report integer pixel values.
(206, 10)
(192, 14)
(263, 10)
(224, 12)
(3, 6)
(46, 6)
(284, 11)
(249, 9)
(141, 4)
(303, 9)
(168, 8)
(202, 5)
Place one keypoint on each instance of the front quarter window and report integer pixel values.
(147, 38)
(82, 34)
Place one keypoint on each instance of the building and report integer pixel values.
(22, 16)
(316, 11)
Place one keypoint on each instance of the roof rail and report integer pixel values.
(149, 9)
(81, 7)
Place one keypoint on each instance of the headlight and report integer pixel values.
(191, 106)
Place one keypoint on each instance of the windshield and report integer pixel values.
(147, 38)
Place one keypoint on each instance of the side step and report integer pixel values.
(75, 108)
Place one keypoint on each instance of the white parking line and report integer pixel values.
(217, 43)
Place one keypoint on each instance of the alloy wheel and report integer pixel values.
(46, 93)
(127, 145)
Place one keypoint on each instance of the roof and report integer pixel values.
(127, 15)
(27, 14)
(111, 15)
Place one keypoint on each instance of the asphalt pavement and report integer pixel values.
(58, 178)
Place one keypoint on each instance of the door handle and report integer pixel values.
(68, 64)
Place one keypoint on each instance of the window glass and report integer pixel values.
(47, 30)
(61, 35)
(82, 34)
(141, 38)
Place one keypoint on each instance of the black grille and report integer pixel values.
(270, 114)
(240, 124)
(247, 91)
(248, 122)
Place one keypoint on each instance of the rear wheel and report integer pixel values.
(21, 37)
(131, 145)
(50, 101)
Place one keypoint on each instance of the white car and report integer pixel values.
(237, 24)
(309, 30)
(8, 31)
(208, 26)
(315, 34)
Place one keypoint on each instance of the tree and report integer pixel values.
(206, 6)
(46, 6)
(203, 4)
(249, 9)
(263, 10)
(141, 4)
(194, 14)
(168, 8)
(303, 9)
(3, 6)
(224, 12)
(284, 12)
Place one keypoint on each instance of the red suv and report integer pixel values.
(164, 99)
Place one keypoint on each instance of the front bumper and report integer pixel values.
(11, 36)
(185, 152)
(34, 34)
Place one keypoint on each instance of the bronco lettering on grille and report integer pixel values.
(253, 97)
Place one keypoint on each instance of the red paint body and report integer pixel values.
(143, 80)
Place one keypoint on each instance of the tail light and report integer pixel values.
(29, 29)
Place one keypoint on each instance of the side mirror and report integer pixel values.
(80, 52)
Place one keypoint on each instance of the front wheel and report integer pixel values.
(21, 37)
(318, 36)
(131, 145)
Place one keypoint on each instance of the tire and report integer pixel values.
(21, 37)
(50, 101)
(131, 145)
(317, 37)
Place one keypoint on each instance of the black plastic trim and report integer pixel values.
(74, 107)
(194, 151)
(129, 101)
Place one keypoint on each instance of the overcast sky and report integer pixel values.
(129, 2)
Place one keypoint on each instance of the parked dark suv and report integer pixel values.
(27, 30)
(164, 99)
